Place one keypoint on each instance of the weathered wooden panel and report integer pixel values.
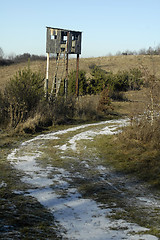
(53, 41)
(59, 40)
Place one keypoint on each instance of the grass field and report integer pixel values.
(111, 63)
(28, 218)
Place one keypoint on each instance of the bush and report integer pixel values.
(3, 111)
(62, 109)
(82, 83)
(1, 108)
(135, 79)
(98, 81)
(22, 95)
(104, 101)
(117, 96)
(121, 81)
(5, 62)
(144, 131)
(141, 149)
(86, 107)
(126, 80)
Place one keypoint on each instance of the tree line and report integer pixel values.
(142, 51)
(12, 58)
(18, 58)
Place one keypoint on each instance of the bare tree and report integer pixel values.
(1, 53)
(152, 89)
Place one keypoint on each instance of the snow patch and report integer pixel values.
(3, 184)
(82, 219)
(90, 134)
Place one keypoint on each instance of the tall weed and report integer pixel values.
(86, 107)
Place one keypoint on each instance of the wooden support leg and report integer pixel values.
(46, 80)
(66, 78)
(77, 73)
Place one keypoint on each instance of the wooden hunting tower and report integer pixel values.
(62, 42)
(57, 39)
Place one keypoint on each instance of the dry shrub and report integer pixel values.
(63, 109)
(86, 107)
(140, 144)
(60, 111)
(143, 131)
(31, 125)
(104, 104)
(1, 109)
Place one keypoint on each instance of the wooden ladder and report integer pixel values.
(58, 79)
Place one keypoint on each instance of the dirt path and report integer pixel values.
(84, 196)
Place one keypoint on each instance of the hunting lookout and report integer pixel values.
(61, 42)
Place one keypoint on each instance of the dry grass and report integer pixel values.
(136, 99)
(112, 63)
(30, 125)
(135, 104)
(116, 63)
(7, 72)
(86, 107)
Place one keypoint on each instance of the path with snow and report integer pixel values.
(77, 218)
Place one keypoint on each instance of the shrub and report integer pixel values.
(126, 80)
(3, 111)
(31, 125)
(48, 113)
(1, 108)
(104, 101)
(82, 83)
(135, 79)
(22, 95)
(98, 80)
(117, 95)
(121, 81)
(86, 107)
(141, 145)
(62, 109)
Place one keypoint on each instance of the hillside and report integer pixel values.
(111, 63)
(81, 166)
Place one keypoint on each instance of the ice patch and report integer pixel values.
(90, 134)
(101, 168)
(149, 202)
(82, 219)
(3, 184)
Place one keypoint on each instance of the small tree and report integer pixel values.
(104, 101)
(98, 80)
(23, 93)
(1, 53)
(82, 82)
(121, 81)
(2, 109)
(135, 79)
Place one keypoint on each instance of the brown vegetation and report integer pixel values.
(142, 107)
(109, 64)
(136, 150)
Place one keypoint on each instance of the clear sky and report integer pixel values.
(108, 26)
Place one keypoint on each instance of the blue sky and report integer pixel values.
(108, 26)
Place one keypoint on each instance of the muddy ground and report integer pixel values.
(57, 186)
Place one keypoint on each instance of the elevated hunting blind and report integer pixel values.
(62, 42)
